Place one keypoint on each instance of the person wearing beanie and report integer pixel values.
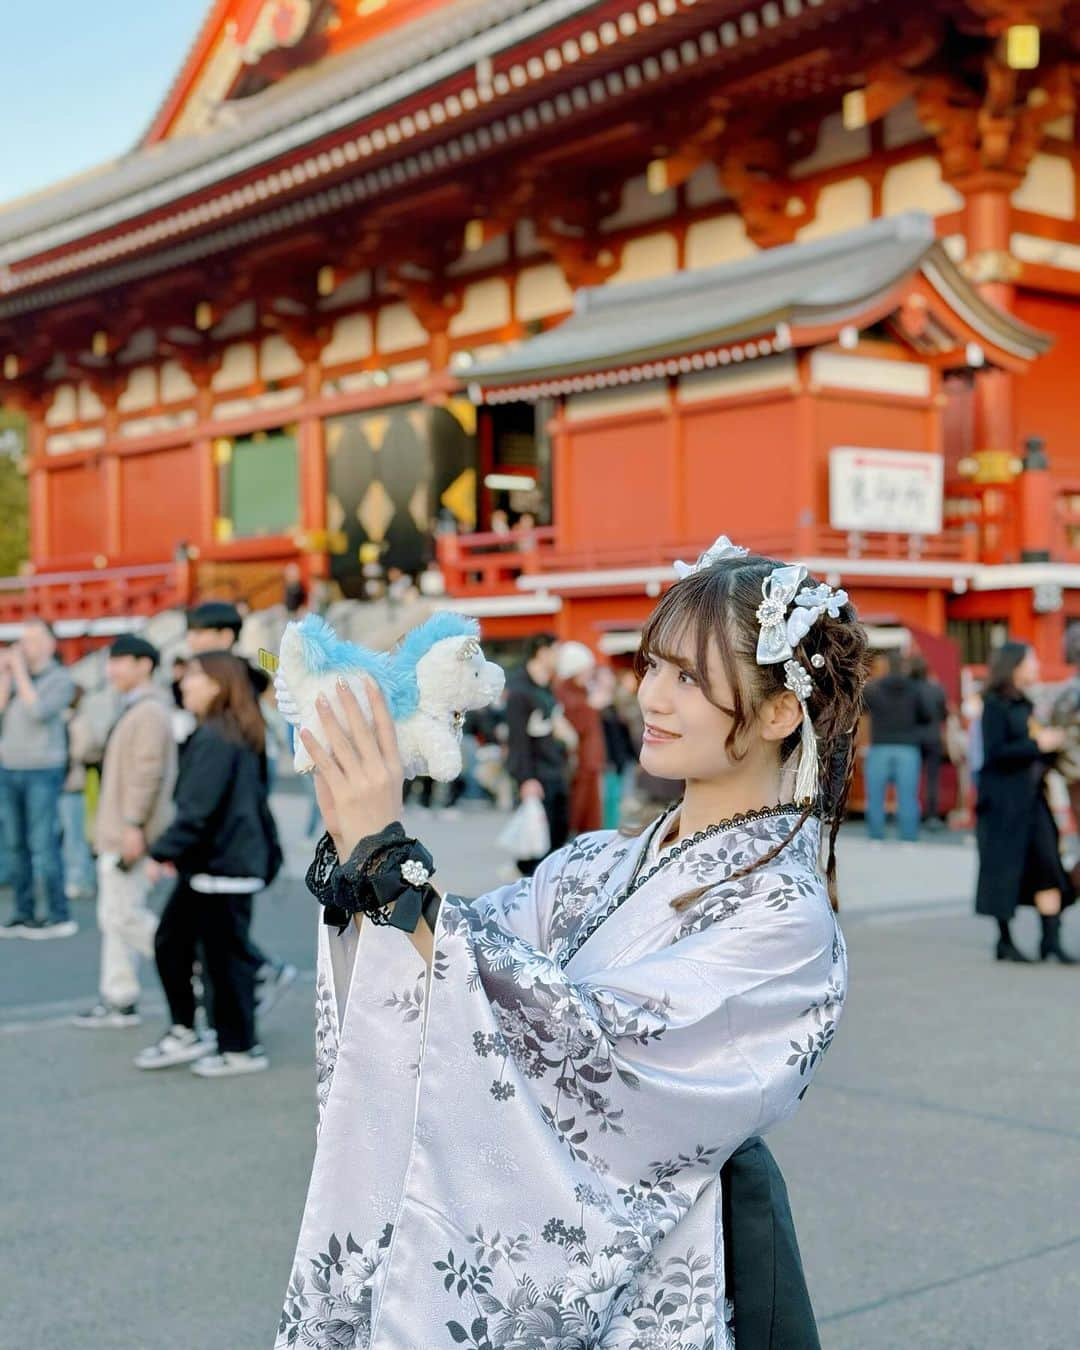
(574, 668)
(134, 807)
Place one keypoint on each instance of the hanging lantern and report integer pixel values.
(854, 110)
(1022, 46)
(474, 235)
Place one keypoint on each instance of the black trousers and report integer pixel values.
(219, 924)
(933, 757)
(424, 788)
(557, 809)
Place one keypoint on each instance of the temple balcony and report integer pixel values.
(497, 564)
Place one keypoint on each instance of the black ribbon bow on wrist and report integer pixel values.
(392, 885)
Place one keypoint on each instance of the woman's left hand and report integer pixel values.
(361, 773)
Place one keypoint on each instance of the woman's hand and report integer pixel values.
(359, 781)
(156, 870)
(1050, 739)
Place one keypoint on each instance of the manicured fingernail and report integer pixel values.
(323, 701)
(342, 684)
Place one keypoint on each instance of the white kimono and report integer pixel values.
(524, 1152)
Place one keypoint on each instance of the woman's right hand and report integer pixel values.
(325, 798)
(1050, 739)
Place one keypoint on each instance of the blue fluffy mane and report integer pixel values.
(420, 641)
(327, 654)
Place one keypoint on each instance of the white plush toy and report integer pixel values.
(435, 675)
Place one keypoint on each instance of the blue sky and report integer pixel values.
(82, 81)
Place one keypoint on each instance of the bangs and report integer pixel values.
(690, 619)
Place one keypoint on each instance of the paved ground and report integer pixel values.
(934, 1168)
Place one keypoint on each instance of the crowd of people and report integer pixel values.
(171, 786)
(1017, 764)
(180, 781)
(174, 787)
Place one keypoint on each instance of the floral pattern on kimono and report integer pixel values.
(612, 1052)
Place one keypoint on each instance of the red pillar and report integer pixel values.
(109, 393)
(313, 479)
(989, 225)
(1035, 498)
(38, 485)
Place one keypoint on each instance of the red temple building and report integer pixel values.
(804, 271)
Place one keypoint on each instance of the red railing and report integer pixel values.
(1066, 523)
(989, 514)
(491, 564)
(101, 592)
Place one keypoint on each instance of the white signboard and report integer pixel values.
(895, 491)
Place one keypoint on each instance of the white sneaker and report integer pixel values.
(108, 1015)
(271, 988)
(230, 1063)
(65, 928)
(179, 1045)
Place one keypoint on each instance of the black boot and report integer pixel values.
(1007, 950)
(1051, 941)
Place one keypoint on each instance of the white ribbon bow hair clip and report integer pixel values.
(723, 548)
(781, 632)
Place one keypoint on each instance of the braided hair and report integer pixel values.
(717, 606)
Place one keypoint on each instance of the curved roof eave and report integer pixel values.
(280, 120)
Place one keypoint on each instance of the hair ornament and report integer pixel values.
(723, 548)
(797, 678)
(824, 599)
(778, 590)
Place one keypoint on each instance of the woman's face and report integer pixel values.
(685, 733)
(198, 690)
(1027, 672)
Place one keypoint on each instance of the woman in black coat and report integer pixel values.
(1019, 856)
(223, 849)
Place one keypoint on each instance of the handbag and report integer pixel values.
(526, 835)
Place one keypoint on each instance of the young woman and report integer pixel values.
(526, 1101)
(1019, 854)
(222, 847)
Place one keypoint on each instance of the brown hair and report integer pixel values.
(235, 709)
(719, 605)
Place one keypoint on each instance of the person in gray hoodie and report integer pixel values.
(35, 692)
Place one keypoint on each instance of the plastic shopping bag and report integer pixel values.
(526, 835)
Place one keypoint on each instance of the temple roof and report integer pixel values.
(791, 295)
(248, 132)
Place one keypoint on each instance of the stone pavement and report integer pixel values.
(934, 1168)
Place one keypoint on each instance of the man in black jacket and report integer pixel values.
(536, 757)
(898, 720)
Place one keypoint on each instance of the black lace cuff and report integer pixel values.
(385, 877)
